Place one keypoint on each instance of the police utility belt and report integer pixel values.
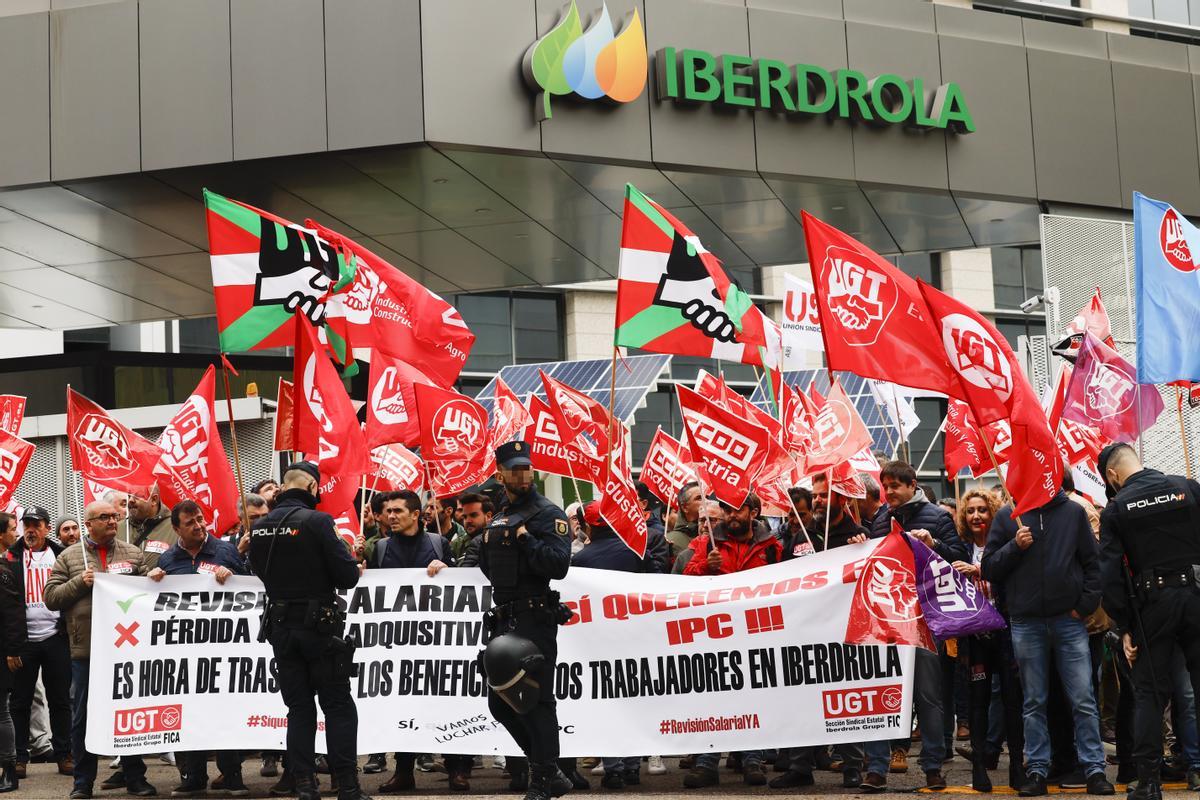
(321, 616)
(545, 605)
(1151, 581)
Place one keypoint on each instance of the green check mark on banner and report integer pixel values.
(128, 603)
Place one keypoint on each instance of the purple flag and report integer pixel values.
(953, 605)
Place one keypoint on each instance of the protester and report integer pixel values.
(46, 652)
(871, 506)
(797, 535)
(686, 523)
(930, 524)
(66, 531)
(267, 489)
(151, 526)
(477, 515)
(69, 590)
(710, 514)
(843, 530)
(1047, 622)
(740, 543)
(120, 501)
(12, 644)
(989, 655)
(193, 553)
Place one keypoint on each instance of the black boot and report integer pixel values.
(980, 781)
(1149, 784)
(1016, 774)
(348, 787)
(8, 777)
(286, 785)
(306, 786)
(546, 781)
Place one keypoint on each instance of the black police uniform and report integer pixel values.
(1153, 525)
(296, 552)
(520, 569)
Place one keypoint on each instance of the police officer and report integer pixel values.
(296, 552)
(525, 547)
(1152, 523)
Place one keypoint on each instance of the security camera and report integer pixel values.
(1030, 305)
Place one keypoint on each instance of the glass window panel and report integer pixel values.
(141, 386)
(488, 318)
(1031, 266)
(1008, 279)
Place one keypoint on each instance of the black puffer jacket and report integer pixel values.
(920, 513)
(1057, 574)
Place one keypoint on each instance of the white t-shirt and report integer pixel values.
(40, 622)
(977, 560)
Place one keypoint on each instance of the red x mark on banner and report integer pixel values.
(125, 634)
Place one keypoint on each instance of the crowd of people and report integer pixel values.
(1050, 688)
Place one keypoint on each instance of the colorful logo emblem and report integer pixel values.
(1173, 241)
(591, 64)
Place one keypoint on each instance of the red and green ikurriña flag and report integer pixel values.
(267, 273)
(674, 297)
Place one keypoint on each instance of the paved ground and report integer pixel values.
(44, 782)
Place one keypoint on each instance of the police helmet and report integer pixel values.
(509, 662)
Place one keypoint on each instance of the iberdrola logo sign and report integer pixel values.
(591, 64)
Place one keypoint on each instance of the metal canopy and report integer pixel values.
(132, 248)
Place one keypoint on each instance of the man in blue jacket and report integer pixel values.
(1045, 566)
(932, 525)
(196, 552)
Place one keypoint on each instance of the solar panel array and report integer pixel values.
(879, 423)
(635, 377)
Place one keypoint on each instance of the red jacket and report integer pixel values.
(761, 549)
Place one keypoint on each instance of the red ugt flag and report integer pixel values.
(194, 459)
(992, 383)
(838, 432)
(1104, 393)
(885, 608)
(14, 459)
(106, 451)
(871, 313)
(454, 439)
(12, 412)
(509, 417)
(391, 402)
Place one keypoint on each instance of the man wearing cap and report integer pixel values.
(1151, 524)
(526, 546)
(302, 562)
(46, 649)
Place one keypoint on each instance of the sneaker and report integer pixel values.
(1072, 780)
(656, 766)
(1097, 783)
(753, 775)
(114, 781)
(874, 783)
(115, 763)
(934, 781)
(498, 762)
(1034, 787)
(598, 769)
(899, 763)
(699, 778)
(140, 787)
(792, 779)
(270, 766)
(190, 788)
(81, 793)
(167, 758)
(851, 778)
(613, 781)
(425, 762)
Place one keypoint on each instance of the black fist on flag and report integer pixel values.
(686, 285)
(299, 275)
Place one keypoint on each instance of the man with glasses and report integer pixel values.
(69, 591)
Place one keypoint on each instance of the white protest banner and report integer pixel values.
(649, 663)
(801, 323)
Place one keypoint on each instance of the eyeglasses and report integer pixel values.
(105, 518)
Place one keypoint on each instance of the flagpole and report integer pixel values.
(933, 441)
(362, 503)
(828, 504)
(612, 398)
(900, 426)
(237, 461)
(1187, 456)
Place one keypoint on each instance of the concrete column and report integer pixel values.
(1118, 7)
(588, 327)
(967, 274)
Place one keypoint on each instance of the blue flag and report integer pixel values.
(1166, 253)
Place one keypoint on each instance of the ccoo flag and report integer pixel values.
(1166, 248)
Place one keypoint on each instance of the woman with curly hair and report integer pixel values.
(989, 654)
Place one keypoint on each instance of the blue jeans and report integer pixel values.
(1183, 706)
(1064, 637)
(928, 695)
(713, 760)
(85, 762)
(622, 764)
